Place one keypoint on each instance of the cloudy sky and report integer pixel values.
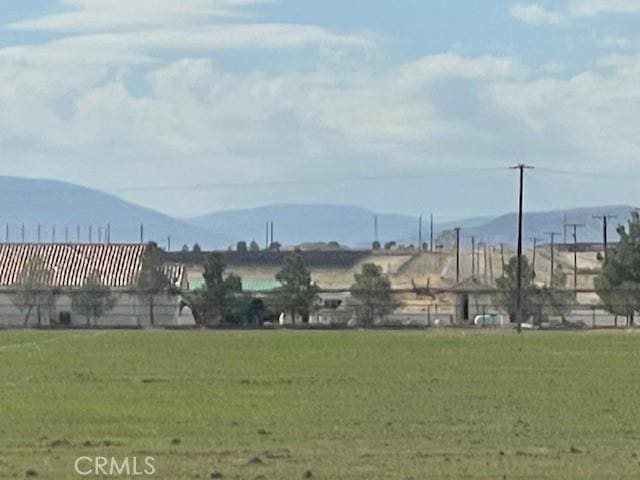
(408, 106)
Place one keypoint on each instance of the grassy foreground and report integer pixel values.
(323, 405)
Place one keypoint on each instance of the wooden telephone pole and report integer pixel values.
(575, 227)
(457, 230)
(521, 168)
(605, 227)
(552, 236)
(535, 241)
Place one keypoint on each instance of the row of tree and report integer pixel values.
(222, 301)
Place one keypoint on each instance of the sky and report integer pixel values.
(412, 106)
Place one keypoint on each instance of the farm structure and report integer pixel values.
(68, 267)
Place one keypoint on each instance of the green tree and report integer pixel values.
(221, 299)
(152, 280)
(254, 247)
(93, 300)
(298, 294)
(242, 247)
(33, 290)
(371, 294)
(618, 284)
(557, 299)
(506, 293)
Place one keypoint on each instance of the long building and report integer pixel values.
(68, 267)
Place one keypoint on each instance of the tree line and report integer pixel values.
(220, 301)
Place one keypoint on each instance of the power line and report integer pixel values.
(304, 181)
(269, 183)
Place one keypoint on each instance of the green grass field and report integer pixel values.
(324, 405)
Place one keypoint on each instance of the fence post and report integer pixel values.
(429, 315)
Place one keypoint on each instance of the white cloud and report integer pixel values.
(594, 111)
(539, 15)
(620, 42)
(433, 67)
(120, 32)
(101, 15)
(144, 46)
(118, 97)
(593, 8)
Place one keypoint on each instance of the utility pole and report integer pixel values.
(605, 220)
(566, 225)
(575, 227)
(272, 232)
(533, 259)
(485, 262)
(553, 236)
(141, 234)
(502, 256)
(53, 234)
(521, 167)
(431, 234)
(107, 233)
(39, 233)
(375, 228)
(491, 266)
(473, 257)
(420, 235)
(169, 243)
(266, 238)
(457, 230)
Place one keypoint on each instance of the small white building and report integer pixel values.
(69, 266)
(472, 298)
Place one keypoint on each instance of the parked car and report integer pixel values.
(491, 320)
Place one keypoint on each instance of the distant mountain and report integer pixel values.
(54, 204)
(354, 226)
(504, 228)
(296, 224)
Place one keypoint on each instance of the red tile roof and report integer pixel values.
(71, 264)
